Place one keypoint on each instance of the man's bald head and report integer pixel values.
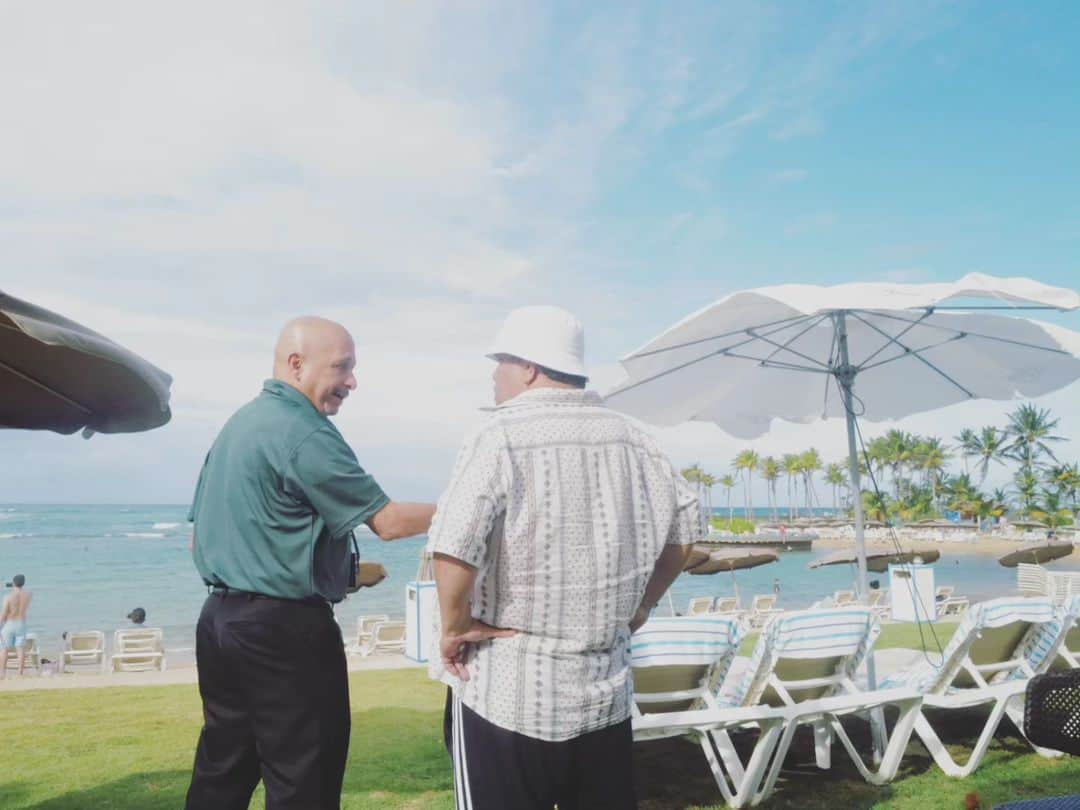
(316, 356)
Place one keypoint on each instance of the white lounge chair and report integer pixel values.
(31, 656)
(385, 637)
(806, 660)
(138, 649)
(362, 639)
(943, 592)
(676, 662)
(762, 609)
(878, 601)
(726, 605)
(998, 646)
(83, 650)
(843, 598)
(699, 605)
(953, 606)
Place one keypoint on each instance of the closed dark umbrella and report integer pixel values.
(1037, 553)
(878, 560)
(58, 375)
(698, 555)
(735, 559)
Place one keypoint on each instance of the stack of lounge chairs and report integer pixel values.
(806, 671)
(375, 634)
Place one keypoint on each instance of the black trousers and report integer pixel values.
(275, 705)
(497, 769)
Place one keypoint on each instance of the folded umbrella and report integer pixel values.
(58, 375)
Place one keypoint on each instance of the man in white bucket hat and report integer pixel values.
(562, 526)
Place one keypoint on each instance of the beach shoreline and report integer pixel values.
(185, 673)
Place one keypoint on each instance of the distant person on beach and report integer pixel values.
(137, 616)
(274, 510)
(13, 623)
(561, 528)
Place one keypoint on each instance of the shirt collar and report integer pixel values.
(552, 396)
(277, 388)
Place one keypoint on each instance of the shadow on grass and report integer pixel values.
(156, 790)
(673, 774)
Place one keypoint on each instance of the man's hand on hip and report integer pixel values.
(454, 647)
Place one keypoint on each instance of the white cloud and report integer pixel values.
(186, 178)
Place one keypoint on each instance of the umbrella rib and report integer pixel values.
(914, 354)
(725, 352)
(911, 325)
(888, 360)
(931, 325)
(783, 324)
(786, 346)
(39, 384)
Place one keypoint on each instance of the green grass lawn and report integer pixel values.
(130, 748)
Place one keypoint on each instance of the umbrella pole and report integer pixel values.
(845, 375)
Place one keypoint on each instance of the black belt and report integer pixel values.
(224, 590)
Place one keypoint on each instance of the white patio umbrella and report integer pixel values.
(881, 351)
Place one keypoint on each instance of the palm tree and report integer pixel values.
(809, 463)
(1027, 486)
(898, 446)
(875, 505)
(746, 462)
(966, 440)
(708, 481)
(1030, 429)
(728, 483)
(1051, 511)
(790, 465)
(931, 457)
(769, 468)
(836, 477)
(960, 493)
(989, 446)
(1065, 479)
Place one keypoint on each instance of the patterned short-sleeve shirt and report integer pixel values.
(563, 506)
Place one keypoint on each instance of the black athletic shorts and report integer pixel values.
(497, 769)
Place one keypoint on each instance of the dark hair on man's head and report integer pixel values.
(561, 378)
(18, 580)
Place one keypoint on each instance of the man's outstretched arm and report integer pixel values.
(401, 519)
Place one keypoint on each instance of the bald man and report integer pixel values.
(277, 500)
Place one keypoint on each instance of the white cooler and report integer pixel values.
(911, 593)
(419, 606)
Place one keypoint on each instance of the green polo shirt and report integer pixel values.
(278, 494)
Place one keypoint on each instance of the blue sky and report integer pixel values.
(187, 179)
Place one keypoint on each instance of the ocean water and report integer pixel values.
(89, 566)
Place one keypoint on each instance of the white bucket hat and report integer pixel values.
(545, 336)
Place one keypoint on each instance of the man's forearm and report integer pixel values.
(454, 584)
(402, 519)
(667, 569)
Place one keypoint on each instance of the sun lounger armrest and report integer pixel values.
(964, 698)
(706, 719)
(903, 698)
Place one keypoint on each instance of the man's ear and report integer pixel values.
(296, 364)
(531, 373)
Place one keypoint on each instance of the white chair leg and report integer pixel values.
(822, 745)
(941, 755)
(728, 754)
